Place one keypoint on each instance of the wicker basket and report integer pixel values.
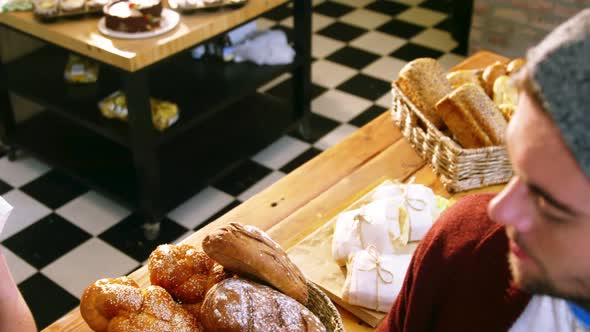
(459, 169)
(321, 305)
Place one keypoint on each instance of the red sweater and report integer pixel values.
(459, 278)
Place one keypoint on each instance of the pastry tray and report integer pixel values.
(58, 12)
(195, 5)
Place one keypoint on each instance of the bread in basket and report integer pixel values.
(458, 168)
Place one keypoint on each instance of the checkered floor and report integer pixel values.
(62, 236)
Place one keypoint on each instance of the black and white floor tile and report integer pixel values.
(62, 236)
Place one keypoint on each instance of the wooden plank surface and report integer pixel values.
(81, 35)
(397, 162)
(297, 204)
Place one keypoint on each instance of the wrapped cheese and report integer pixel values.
(164, 113)
(420, 205)
(5, 209)
(80, 70)
(375, 224)
(373, 280)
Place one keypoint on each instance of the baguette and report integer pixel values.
(472, 117)
(424, 82)
(250, 253)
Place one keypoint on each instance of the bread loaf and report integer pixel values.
(461, 77)
(185, 272)
(424, 82)
(515, 65)
(505, 92)
(490, 74)
(119, 305)
(250, 253)
(238, 305)
(472, 117)
(507, 111)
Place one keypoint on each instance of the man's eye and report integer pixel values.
(550, 212)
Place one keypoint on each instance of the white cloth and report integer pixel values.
(242, 32)
(5, 209)
(545, 313)
(267, 48)
(375, 224)
(373, 281)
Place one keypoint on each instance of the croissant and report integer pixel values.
(185, 272)
(119, 305)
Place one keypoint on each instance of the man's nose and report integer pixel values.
(512, 207)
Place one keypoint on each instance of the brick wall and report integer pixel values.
(510, 27)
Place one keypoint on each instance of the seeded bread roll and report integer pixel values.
(424, 82)
(472, 117)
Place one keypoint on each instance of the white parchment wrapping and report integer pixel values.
(313, 255)
(421, 206)
(374, 224)
(397, 214)
(373, 281)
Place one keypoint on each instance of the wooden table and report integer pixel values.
(299, 203)
(83, 37)
(150, 171)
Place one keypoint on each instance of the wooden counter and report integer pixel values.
(82, 35)
(299, 203)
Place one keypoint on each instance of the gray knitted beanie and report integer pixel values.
(559, 68)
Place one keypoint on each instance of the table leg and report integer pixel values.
(461, 16)
(142, 136)
(7, 120)
(302, 74)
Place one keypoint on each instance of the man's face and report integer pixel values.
(546, 209)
